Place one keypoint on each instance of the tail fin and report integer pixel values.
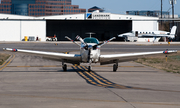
(173, 30)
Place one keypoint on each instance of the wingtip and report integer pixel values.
(171, 51)
(176, 51)
(10, 49)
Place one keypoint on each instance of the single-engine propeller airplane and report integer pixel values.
(90, 53)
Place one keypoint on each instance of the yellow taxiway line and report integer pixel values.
(7, 62)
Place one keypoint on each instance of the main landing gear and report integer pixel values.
(64, 66)
(89, 68)
(115, 67)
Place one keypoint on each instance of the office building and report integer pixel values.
(39, 7)
(5, 6)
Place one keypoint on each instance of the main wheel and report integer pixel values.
(64, 67)
(89, 68)
(115, 68)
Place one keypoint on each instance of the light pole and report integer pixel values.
(161, 13)
(161, 10)
(172, 2)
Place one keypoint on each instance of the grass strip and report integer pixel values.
(3, 58)
(172, 64)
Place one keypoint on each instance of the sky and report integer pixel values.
(120, 6)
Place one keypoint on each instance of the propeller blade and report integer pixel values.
(107, 41)
(72, 40)
(80, 39)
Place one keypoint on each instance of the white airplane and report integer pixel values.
(153, 36)
(89, 53)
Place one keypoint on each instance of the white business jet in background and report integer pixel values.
(150, 36)
(89, 53)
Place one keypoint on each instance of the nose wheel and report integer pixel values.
(89, 67)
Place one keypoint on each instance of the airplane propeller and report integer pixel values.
(89, 47)
(86, 47)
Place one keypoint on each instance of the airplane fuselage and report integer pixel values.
(140, 33)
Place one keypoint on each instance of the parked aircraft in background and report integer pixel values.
(149, 36)
(89, 53)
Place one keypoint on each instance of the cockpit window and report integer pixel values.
(91, 40)
(132, 32)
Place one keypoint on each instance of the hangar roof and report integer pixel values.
(12, 16)
(85, 16)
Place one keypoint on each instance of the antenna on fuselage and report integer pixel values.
(90, 33)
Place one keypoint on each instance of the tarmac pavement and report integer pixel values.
(32, 82)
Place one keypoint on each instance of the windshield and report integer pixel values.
(132, 32)
(91, 40)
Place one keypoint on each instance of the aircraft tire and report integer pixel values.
(89, 68)
(64, 67)
(115, 68)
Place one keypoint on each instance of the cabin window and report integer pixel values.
(91, 40)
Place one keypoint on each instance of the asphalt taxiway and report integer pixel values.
(32, 82)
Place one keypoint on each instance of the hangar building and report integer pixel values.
(105, 25)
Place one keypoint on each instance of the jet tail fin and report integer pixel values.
(173, 30)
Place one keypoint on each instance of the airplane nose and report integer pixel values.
(90, 46)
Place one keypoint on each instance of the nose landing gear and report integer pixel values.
(89, 67)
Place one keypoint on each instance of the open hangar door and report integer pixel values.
(103, 29)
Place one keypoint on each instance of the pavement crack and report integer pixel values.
(121, 98)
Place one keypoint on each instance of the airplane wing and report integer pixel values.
(108, 59)
(69, 58)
